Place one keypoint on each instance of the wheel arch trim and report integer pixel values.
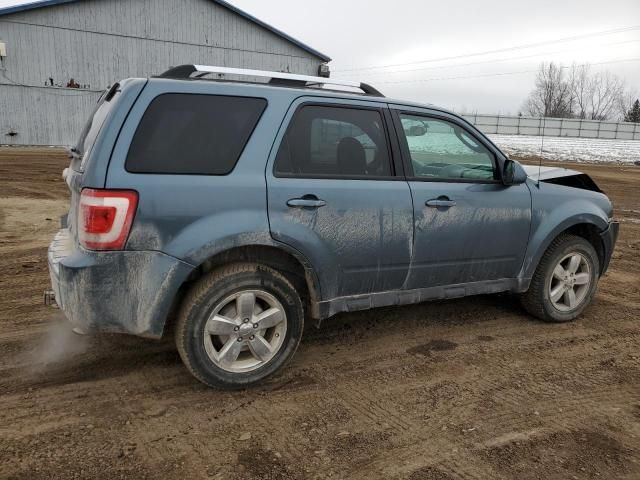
(542, 237)
(261, 250)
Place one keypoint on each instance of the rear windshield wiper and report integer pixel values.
(111, 92)
(73, 153)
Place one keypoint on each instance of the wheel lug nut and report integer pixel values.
(255, 325)
(239, 339)
(246, 320)
(251, 337)
(277, 334)
(235, 329)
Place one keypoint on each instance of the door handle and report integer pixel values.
(440, 202)
(307, 201)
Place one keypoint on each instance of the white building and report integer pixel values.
(49, 46)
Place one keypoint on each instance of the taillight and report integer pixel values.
(105, 218)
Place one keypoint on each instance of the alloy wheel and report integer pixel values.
(570, 282)
(245, 331)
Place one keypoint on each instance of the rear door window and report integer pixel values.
(326, 141)
(193, 134)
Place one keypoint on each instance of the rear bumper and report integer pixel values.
(120, 292)
(609, 238)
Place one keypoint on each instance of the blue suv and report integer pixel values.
(231, 211)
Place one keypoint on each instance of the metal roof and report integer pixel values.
(222, 3)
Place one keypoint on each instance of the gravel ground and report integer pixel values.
(465, 389)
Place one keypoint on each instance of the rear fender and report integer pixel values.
(198, 254)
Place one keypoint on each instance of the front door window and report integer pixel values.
(442, 150)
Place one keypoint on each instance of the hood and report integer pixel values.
(546, 173)
(561, 176)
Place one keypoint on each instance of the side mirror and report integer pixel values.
(513, 173)
(416, 131)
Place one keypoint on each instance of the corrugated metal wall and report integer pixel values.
(43, 116)
(97, 42)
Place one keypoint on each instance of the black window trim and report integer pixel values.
(406, 154)
(266, 105)
(397, 173)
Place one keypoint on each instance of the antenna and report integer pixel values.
(544, 124)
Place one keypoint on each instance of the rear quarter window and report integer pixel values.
(193, 134)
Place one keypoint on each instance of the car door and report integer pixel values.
(469, 226)
(334, 195)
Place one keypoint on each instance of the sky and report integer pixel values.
(432, 51)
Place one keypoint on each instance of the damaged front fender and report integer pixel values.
(557, 209)
(561, 176)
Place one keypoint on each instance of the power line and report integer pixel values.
(505, 59)
(499, 50)
(498, 74)
(457, 78)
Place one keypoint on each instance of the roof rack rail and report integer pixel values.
(292, 79)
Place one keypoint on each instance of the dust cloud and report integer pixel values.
(56, 346)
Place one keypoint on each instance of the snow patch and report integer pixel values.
(570, 149)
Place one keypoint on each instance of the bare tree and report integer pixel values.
(579, 82)
(626, 103)
(580, 93)
(603, 95)
(552, 95)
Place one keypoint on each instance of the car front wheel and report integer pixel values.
(564, 282)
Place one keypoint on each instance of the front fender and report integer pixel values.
(556, 209)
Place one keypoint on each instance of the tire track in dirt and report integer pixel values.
(514, 400)
(501, 427)
(373, 410)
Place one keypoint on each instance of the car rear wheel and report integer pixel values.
(238, 325)
(565, 281)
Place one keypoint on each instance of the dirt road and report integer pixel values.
(465, 389)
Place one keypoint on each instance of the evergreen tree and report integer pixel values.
(633, 115)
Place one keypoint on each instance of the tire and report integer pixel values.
(546, 285)
(220, 303)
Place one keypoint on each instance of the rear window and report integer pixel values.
(193, 134)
